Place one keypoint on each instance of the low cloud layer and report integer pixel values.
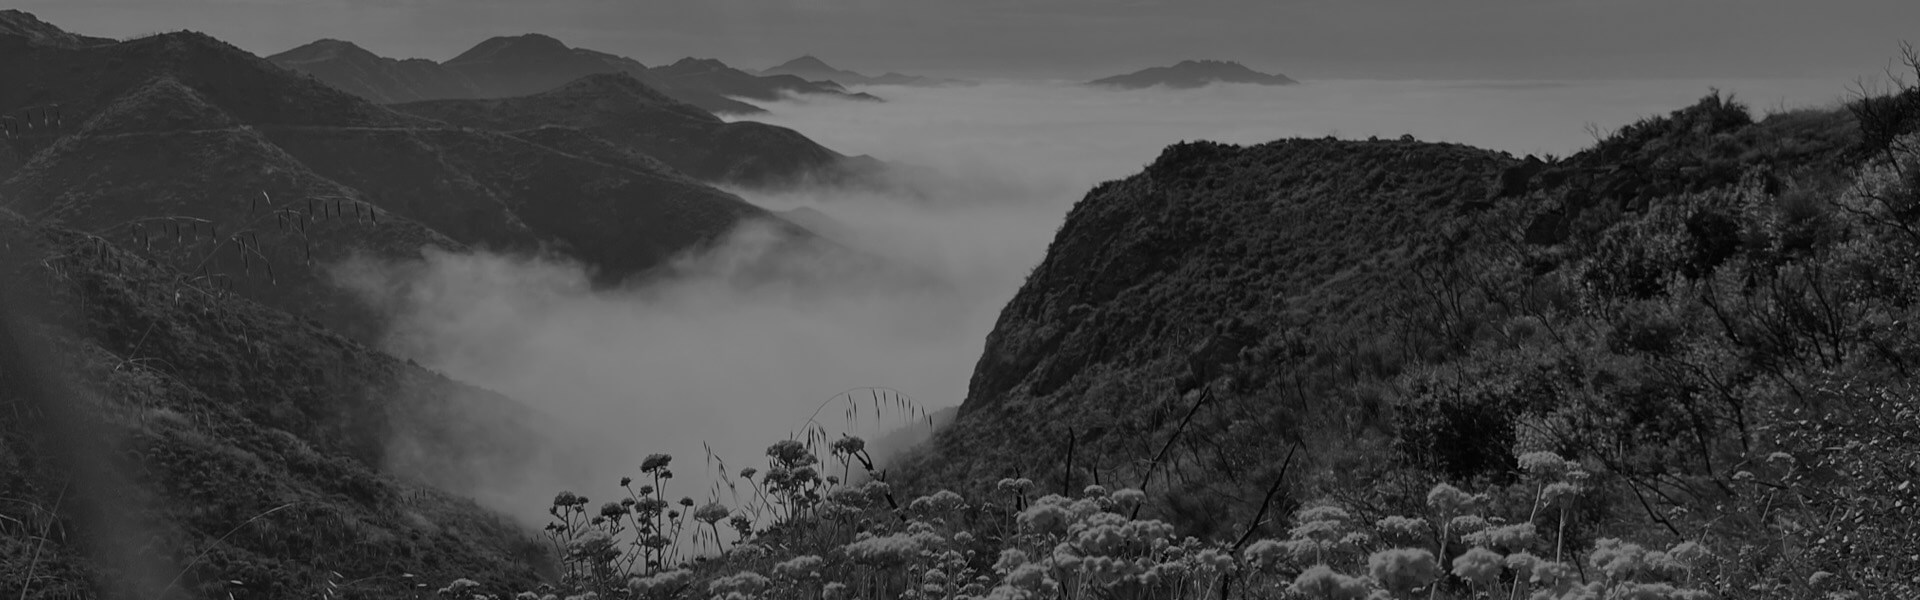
(712, 359)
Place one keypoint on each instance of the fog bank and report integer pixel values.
(706, 360)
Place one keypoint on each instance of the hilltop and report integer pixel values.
(811, 68)
(20, 24)
(1192, 74)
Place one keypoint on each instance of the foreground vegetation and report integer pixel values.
(1674, 366)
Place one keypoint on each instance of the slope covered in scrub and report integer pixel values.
(180, 434)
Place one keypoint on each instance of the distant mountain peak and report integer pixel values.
(19, 23)
(324, 49)
(1192, 74)
(525, 45)
(808, 62)
(699, 63)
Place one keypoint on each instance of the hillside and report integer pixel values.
(1192, 74)
(1702, 300)
(632, 116)
(265, 178)
(161, 431)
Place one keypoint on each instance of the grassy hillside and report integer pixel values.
(159, 431)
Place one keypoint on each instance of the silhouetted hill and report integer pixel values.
(380, 79)
(23, 25)
(630, 115)
(1193, 74)
(811, 68)
(224, 165)
(160, 430)
(714, 76)
(523, 65)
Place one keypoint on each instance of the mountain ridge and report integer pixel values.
(1192, 74)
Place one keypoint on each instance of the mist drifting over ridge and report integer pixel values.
(705, 359)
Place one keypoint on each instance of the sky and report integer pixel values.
(1076, 39)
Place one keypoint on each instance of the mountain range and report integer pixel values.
(1192, 74)
(521, 65)
(813, 69)
(256, 178)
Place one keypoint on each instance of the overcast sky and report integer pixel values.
(1323, 39)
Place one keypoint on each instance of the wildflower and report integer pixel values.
(1010, 559)
(461, 585)
(626, 481)
(744, 582)
(1466, 524)
(1402, 569)
(1094, 491)
(1522, 564)
(833, 591)
(1129, 498)
(1448, 500)
(1544, 465)
(655, 462)
(942, 501)
(711, 512)
(1510, 537)
(1265, 555)
(963, 538)
(687, 502)
(662, 584)
(791, 453)
(748, 473)
(1044, 517)
(1619, 560)
(800, 567)
(1479, 566)
(1560, 490)
(848, 445)
(1029, 576)
(1402, 529)
(1321, 581)
(1643, 591)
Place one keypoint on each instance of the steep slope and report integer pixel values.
(377, 78)
(1363, 320)
(161, 433)
(282, 172)
(1192, 74)
(1214, 258)
(634, 117)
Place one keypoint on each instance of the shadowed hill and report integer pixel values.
(209, 416)
(714, 76)
(14, 23)
(812, 68)
(1193, 74)
(633, 116)
(237, 170)
(377, 78)
(511, 66)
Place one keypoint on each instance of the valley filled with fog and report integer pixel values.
(707, 359)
